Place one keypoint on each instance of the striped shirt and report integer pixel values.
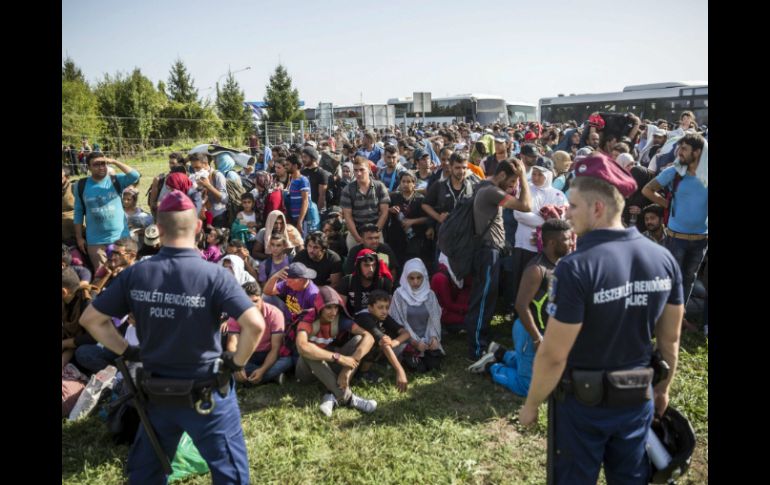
(302, 184)
(365, 207)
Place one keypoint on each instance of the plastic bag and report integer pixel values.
(187, 461)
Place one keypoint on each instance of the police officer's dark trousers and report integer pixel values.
(486, 277)
(586, 436)
(218, 437)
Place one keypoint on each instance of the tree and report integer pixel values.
(282, 101)
(132, 107)
(181, 87)
(236, 117)
(71, 72)
(79, 106)
(79, 112)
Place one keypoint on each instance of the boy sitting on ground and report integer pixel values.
(390, 337)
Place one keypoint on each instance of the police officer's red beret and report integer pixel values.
(175, 201)
(599, 165)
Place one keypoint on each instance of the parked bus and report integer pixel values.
(483, 108)
(648, 101)
(521, 112)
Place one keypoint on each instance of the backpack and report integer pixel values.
(669, 211)
(234, 193)
(82, 189)
(153, 204)
(456, 241)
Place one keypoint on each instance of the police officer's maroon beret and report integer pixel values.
(599, 165)
(175, 201)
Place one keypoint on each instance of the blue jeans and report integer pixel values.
(515, 373)
(283, 364)
(689, 255)
(586, 437)
(218, 437)
(94, 357)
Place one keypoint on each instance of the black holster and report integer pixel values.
(659, 366)
(613, 389)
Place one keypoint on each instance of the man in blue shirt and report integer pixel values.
(101, 206)
(687, 228)
(606, 301)
(176, 298)
(370, 150)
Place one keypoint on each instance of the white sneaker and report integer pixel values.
(327, 404)
(365, 405)
(481, 364)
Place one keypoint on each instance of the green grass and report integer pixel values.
(450, 427)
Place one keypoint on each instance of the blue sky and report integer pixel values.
(337, 50)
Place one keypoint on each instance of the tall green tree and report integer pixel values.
(71, 72)
(281, 99)
(79, 106)
(131, 106)
(236, 117)
(181, 86)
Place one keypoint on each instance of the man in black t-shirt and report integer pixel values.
(372, 235)
(492, 196)
(370, 274)
(318, 177)
(317, 256)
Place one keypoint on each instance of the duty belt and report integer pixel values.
(187, 392)
(687, 237)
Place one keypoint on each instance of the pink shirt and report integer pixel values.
(274, 323)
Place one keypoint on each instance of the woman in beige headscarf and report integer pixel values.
(562, 161)
(276, 223)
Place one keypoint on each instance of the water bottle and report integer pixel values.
(89, 397)
(658, 454)
(409, 231)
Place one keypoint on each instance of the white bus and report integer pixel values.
(648, 101)
(519, 112)
(483, 108)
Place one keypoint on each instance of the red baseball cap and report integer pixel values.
(530, 136)
(599, 165)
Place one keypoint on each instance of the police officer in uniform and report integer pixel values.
(607, 300)
(177, 299)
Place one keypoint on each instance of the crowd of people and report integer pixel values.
(335, 241)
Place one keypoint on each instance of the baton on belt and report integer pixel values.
(551, 442)
(139, 402)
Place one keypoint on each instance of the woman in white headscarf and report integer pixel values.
(235, 264)
(416, 308)
(542, 194)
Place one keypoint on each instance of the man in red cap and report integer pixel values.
(176, 298)
(606, 300)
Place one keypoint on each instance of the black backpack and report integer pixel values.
(457, 242)
(82, 189)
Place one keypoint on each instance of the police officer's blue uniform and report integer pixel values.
(617, 284)
(177, 299)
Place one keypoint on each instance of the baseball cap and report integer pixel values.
(529, 150)
(419, 153)
(299, 270)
